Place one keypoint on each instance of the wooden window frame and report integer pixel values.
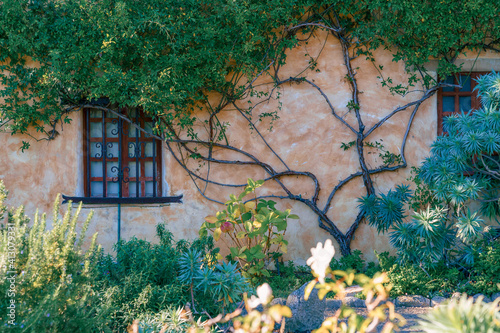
(475, 100)
(125, 142)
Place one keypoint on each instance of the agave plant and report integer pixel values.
(463, 168)
(222, 282)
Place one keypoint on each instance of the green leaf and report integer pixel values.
(217, 233)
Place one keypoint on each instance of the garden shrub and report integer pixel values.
(485, 272)
(287, 278)
(47, 274)
(254, 231)
(143, 279)
(406, 279)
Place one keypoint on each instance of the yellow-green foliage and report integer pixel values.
(463, 316)
(52, 276)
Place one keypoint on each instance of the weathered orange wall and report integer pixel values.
(307, 137)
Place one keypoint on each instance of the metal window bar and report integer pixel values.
(104, 155)
(138, 151)
(154, 167)
(120, 155)
(87, 141)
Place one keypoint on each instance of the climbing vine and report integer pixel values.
(185, 63)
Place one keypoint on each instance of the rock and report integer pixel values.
(333, 304)
(495, 296)
(354, 302)
(306, 315)
(485, 298)
(456, 295)
(438, 300)
(413, 301)
(244, 312)
(278, 300)
(352, 290)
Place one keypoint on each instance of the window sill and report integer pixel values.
(132, 201)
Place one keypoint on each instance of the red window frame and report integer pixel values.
(456, 93)
(122, 174)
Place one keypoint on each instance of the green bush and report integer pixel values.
(287, 278)
(143, 278)
(413, 280)
(47, 276)
(485, 273)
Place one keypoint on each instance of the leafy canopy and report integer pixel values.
(169, 56)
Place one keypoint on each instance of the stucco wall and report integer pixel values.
(306, 136)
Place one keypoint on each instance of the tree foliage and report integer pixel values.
(184, 62)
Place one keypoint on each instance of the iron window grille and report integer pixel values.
(120, 160)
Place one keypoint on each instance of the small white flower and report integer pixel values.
(321, 257)
(264, 295)
(253, 302)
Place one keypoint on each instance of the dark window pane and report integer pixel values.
(133, 132)
(132, 189)
(465, 103)
(449, 80)
(134, 170)
(95, 130)
(148, 169)
(132, 150)
(111, 130)
(112, 169)
(96, 189)
(112, 150)
(465, 82)
(448, 104)
(148, 151)
(149, 189)
(112, 189)
(96, 114)
(96, 170)
(96, 149)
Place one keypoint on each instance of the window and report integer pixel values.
(120, 161)
(455, 100)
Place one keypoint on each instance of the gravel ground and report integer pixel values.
(410, 314)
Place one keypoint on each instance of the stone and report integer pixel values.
(306, 315)
(278, 300)
(456, 295)
(438, 300)
(485, 298)
(495, 296)
(353, 302)
(413, 301)
(333, 304)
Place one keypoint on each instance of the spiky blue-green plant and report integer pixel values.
(463, 169)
